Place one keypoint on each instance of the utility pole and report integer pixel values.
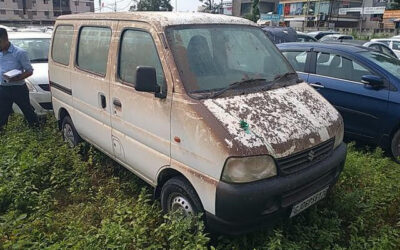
(115, 5)
(362, 16)
(306, 15)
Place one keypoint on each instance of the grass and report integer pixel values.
(52, 196)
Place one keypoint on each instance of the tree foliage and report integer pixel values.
(154, 5)
(254, 15)
(211, 6)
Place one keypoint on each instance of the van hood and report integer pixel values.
(40, 74)
(278, 122)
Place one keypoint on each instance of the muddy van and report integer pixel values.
(202, 107)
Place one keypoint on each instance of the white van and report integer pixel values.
(202, 107)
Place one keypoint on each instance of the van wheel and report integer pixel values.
(395, 147)
(69, 132)
(178, 195)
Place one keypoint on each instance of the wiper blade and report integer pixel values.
(234, 85)
(280, 77)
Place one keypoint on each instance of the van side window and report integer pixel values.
(62, 44)
(138, 49)
(93, 46)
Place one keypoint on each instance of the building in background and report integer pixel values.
(40, 11)
(333, 14)
(243, 7)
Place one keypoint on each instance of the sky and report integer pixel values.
(123, 5)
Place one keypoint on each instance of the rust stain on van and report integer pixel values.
(199, 176)
(285, 120)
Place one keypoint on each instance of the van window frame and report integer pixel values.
(117, 75)
(72, 40)
(77, 50)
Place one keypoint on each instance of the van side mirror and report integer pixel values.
(146, 81)
(373, 81)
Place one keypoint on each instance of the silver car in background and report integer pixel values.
(37, 45)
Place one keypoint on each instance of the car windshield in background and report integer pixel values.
(392, 65)
(215, 57)
(37, 48)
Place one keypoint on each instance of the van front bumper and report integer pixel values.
(241, 208)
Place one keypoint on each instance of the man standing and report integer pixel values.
(14, 90)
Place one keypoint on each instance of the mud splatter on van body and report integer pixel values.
(284, 120)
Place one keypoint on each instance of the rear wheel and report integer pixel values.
(178, 195)
(395, 146)
(69, 132)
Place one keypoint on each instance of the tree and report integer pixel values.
(211, 6)
(255, 12)
(154, 5)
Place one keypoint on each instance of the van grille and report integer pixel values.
(299, 161)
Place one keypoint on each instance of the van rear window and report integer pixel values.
(62, 44)
(94, 43)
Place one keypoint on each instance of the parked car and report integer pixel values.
(37, 45)
(303, 37)
(336, 37)
(394, 44)
(319, 34)
(202, 107)
(378, 46)
(361, 83)
(280, 34)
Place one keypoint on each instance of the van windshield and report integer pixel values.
(214, 57)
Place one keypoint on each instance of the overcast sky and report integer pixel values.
(123, 5)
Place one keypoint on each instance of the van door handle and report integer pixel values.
(317, 85)
(117, 103)
(103, 101)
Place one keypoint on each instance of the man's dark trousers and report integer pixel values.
(18, 94)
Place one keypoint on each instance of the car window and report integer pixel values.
(138, 49)
(336, 66)
(387, 51)
(62, 43)
(375, 47)
(387, 42)
(396, 45)
(37, 48)
(93, 46)
(297, 59)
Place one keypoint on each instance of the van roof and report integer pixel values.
(161, 19)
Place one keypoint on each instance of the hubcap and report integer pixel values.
(180, 203)
(69, 134)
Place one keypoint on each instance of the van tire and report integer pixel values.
(395, 146)
(178, 194)
(69, 132)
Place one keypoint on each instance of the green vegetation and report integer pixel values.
(55, 197)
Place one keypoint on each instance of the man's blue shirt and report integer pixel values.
(14, 58)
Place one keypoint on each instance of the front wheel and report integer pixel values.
(69, 132)
(178, 195)
(395, 146)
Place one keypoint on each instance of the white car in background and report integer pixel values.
(393, 43)
(37, 45)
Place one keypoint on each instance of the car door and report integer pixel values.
(140, 121)
(338, 79)
(299, 61)
(91, 85)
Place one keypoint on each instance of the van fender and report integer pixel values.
(204, 185)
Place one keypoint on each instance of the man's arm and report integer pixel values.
(26, 66)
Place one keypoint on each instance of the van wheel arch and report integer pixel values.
(62, 113)
(165, 175)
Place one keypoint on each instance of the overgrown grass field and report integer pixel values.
(52, 196)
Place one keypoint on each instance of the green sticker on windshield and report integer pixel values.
(245, 126)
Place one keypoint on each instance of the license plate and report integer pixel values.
(300, 207)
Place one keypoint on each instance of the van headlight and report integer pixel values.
(248, 169)
(30, 86)
(339, 137)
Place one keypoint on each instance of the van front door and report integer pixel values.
(140, 121)
(91, 85)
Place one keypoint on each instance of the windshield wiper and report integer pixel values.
(234, 85)
(40, 60)
(280, 77)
